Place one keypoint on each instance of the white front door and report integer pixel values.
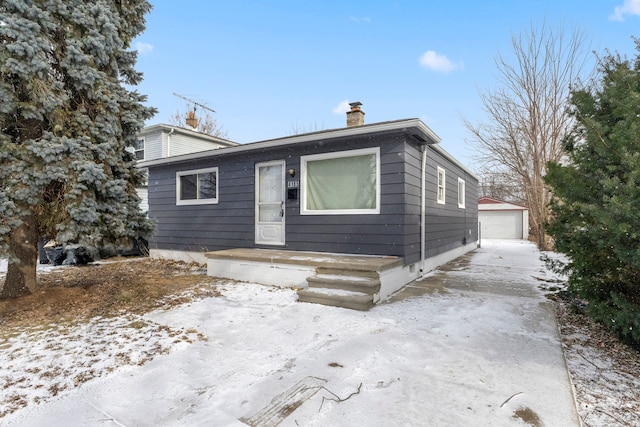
(270, 198)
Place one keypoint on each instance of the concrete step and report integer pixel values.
(339, 280)
(348, 272)
(336, 298)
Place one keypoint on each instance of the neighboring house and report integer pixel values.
(502, 220)
(383, 189)
(161, 140)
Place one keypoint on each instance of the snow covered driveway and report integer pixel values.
(475, 346)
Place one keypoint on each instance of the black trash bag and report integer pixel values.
(54, 252)
(42, 254)
(76, 256)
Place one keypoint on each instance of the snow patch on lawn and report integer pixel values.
(40, 363)
(487, 354)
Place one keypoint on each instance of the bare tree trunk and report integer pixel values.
(23, 258)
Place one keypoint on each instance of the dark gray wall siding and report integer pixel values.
(412, 158)
(447, 226)
(230, 223)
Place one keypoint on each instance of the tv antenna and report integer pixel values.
(195, 104)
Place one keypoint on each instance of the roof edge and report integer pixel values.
(422, 133)
(488, 200)
(185, 131)
(455, 161)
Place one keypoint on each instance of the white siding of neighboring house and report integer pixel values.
(181, 144)
(153, 146)
(143, 193)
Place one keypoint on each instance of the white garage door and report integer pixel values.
(500, 224)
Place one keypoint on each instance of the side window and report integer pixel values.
(197, 187)
(441, 186)
(461, 191)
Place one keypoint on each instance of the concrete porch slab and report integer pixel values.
(284, 268)
(309, 259)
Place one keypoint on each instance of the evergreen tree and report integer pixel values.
(596, 204)
(66, 117)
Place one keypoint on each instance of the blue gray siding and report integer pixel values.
(395, 231)
(448, 226)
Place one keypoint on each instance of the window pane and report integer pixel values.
(441, 185)
(342, 183)
(188, 187)
(270, 213)
(270, 183)
(207, 185)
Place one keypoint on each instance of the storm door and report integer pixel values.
(270, 198)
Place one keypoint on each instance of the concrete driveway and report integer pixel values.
(502, 272)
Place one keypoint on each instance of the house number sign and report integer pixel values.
(293, 184)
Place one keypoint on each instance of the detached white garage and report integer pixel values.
(502, 220)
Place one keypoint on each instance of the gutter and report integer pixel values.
(169, 141)
(423, 209)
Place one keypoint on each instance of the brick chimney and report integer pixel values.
(191, 120)
(355, 117)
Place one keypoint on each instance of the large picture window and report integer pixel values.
(346, 182)
(197, 187)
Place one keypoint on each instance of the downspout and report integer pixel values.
(169, 142)
(423, 209)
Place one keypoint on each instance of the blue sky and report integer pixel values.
(274, 68)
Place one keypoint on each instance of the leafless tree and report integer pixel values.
(204, 124)
(527, 116)
(298, 129)
(500, 185)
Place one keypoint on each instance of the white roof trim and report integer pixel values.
(192, 133)
(424, 134)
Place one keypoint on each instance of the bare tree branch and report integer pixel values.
(204, 124)
(527, 116)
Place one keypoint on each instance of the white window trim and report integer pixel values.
(143, 149)
(462, 188)
(197, 201)
(336, 155)
(441, 200)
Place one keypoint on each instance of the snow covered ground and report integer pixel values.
(476, 346)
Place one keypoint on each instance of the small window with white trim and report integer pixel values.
(461, 190)
(341, 183)
(139, 149)
(197, 187)
(441, 186)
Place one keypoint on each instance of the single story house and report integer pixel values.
(502, 220)
(347, 215)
